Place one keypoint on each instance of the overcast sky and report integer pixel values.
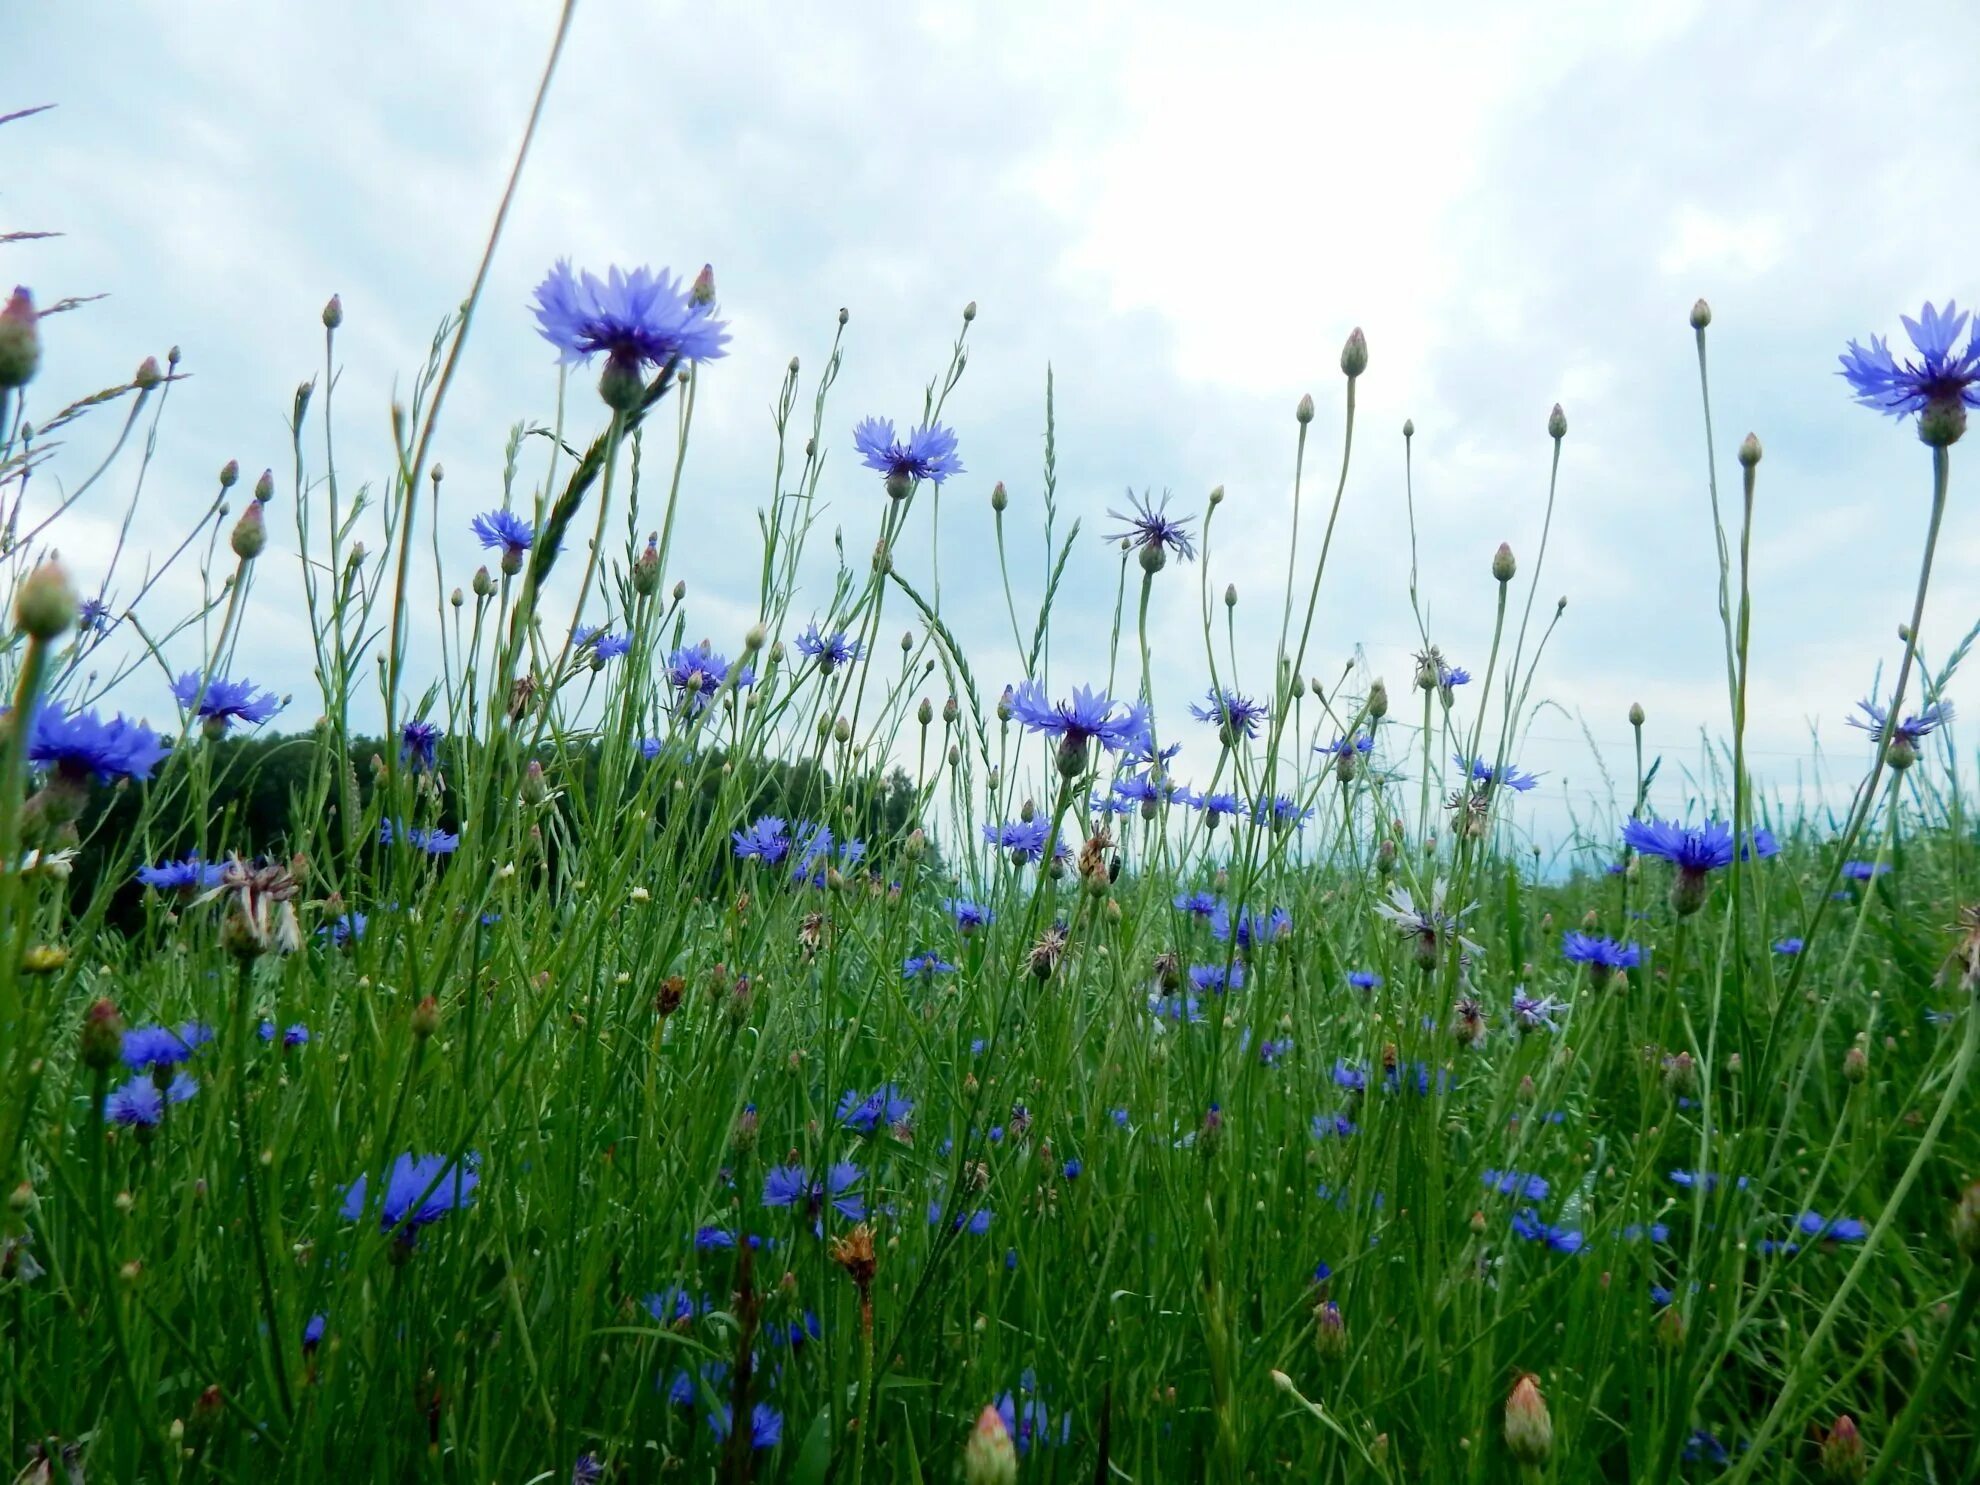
(1182, 209)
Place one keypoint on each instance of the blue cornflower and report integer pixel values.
(709, 1239)
(1134, 789)
(697, 673)
(1657, 1232)
(419, 744)
(155, 1047)
(1489, 775)
(830, 650)
(1527, 1224)
(1026, 1421)
(1280, 811)
(1691, 1179)
(1362, 979)
(142, 1102)
(220, 702)
(766, 1425)
(883, 1108)
(1183, 1009)
(189, 875)
(312, 1331)
(928, 454)
(1153, 532)
(1876, 721)
(295, 1036)
(81, 744)
(1760, 845)
(1531, 1014)
(969, 916)
(812, 849)
(1269, 1052)
(1072, 1168)
(1452, 675)
(1214, 979)
(1350, 1077)
(1340, 1126)
(638, 318)
(1351, 747)
(611, 646)
(1517, 1183)
(1087, 718)
(766, 841)
(507, 532)
(1707, 848)
(587, 1469)
(409, 1204)
(789, 1185)
(977, 1222)
(1235, 714)
(1832, 1229)
(1703, 1446)
(1789, 946)
(435, 842)
(345, 928)
(672, 1305)
(1693, 852)
(1863, 871)
(93, 616)
(1600, 953)
(1199, 904)
(1024, 839)
(798, 1332)
(1251, 926)
(925, 966)
(1939, 384)
(1142, 751)
(1220, 805)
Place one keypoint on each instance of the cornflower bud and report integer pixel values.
(102, 1040)
(1843, 1458)
(1966, 1223)
(1354, 355)
(990, 1458)
(20, 340)
(1529, 1429)
(45, 605)
(250, 533)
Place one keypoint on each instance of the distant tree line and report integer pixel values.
(260, 782)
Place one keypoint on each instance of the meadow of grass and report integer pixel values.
(802, 1057)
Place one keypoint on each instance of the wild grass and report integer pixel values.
(536, 1088)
